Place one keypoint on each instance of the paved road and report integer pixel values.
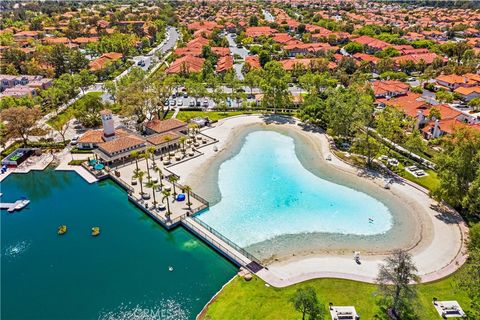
(242, 52)
(151, 58)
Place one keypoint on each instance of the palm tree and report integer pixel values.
(139, 175)
(187, 189)
(173, 178)
(159, 171)
(166, 194)
(182, 140)
(167, 140)
(151, 151)
(153, 185)
(135, 155)
(146, 156)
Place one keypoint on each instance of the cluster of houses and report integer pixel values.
(94, 23)
(467, 86)
(22, 86)
(313, 42)
(397, 94)
(113, 145)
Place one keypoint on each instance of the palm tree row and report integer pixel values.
(139, 175)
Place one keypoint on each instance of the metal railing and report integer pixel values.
(122, 183)
(226, 240)
(226, 251)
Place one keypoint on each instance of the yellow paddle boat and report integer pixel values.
(95, 231)
(62, 229)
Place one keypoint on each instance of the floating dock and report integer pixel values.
(11, 206)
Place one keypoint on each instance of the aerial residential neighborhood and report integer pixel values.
(227, 159)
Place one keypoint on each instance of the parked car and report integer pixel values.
(185, 95)
(239, 46)
(205, 103)
(198, 103)
(192, 103)
(173, 103)
(74, 140)
(141, 63)
(180, 103)
(167, 103)
(174, 95)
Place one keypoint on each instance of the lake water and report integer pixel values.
(121, 274)
(266, 192)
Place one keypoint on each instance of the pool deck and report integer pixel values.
(32, 163)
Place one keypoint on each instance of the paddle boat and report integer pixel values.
(62, 229)
(95, 231)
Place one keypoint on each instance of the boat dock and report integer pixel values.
(11, 206)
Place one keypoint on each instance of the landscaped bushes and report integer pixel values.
(76, 162)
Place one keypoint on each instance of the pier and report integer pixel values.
(181, 213)
(12, 206)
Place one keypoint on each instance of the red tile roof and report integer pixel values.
(186, 64)
(253, 61)
(389, 87)
(224, 63)
(162, 126)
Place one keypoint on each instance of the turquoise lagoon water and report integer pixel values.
(266, 192)
(122, 274)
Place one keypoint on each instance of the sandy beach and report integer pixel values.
(435, 239)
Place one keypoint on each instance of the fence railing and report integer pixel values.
(226, 240)
(122, 183)
(226, 251)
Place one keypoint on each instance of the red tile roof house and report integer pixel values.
(255, 32)
(443, 127)
(307, 64)
(120, 148)
(105, 62)
(186, 64)
(157, 126)
(453, 81)
(468, 93)
(410, 104)
(389, 88)
(363, 57)
(224, 64)
(370, 44)
(426, 58)
(165, 142)
(308, 48)
(253, 62)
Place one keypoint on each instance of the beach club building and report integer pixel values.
(112, 145)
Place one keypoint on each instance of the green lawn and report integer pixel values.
(430, 182)
(212, 115)
(253, 300)
(69, 113)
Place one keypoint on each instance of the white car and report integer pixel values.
(74, 140)
(180, 103)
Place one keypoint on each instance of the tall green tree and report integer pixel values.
(395, 279)
(458, 168)
(274, 85)
(306, 302)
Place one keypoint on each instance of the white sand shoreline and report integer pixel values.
(438, 248)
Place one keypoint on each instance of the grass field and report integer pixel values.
(212, 115)
(69, 113)
(253, 300)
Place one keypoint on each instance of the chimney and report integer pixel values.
(420, 119)
(436, 129)
(108, 125)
